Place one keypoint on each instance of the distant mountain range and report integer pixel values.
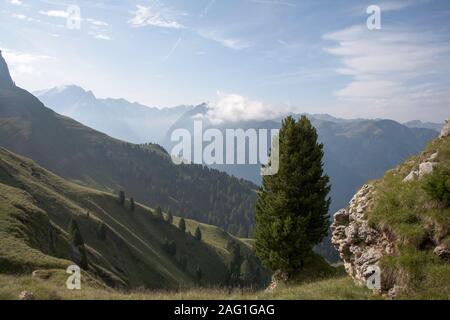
(427, 125)
(355, 150)
(146, 172)
(118, 118)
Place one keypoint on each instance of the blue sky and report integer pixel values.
(246, 57)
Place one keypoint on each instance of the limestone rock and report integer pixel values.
(41, 274)
(442, 252)
(277, 278)
(445, 132)
(426, 168)
(413, 175)
(26, 295)
(360, 246)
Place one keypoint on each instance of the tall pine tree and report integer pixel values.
(292, 205)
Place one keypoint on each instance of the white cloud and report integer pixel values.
(55, 13)
(234, 107)
(23, 64)
(19, 16)
(396, 5)
(392, 68)
(102, 37)
(97, 23)
(16, 2)
(155, 15)
(228, 42)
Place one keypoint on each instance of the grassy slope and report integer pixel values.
(417, 223)
(335, 288)
(35, 209)
(76, 152)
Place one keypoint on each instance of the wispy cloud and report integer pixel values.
(155, 15)
(55, 13)
(21, 16)
(392, 66)
(22, 63)
(102, 37)
(173, 49)
(16, 2)
(275, 2)
(228, 42)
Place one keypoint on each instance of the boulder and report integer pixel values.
(442, 252)
(26, 295)
(426, 168)
(445, 132)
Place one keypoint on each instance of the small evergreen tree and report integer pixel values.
(121, 197)
(132, 207)
(437, 185)
(102, 231)
(169, 218)
(78, 244)
(292, 205)
(198, 234)
(158, 213)
(198, 274)
(245, 274)
(182, 225)
(170, 247)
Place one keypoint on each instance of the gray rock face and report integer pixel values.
(26, 295)
(5, 78)
(360, 246)
(445, 132)
(442, 252)
(424, 168)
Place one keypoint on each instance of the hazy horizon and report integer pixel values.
(251, 57)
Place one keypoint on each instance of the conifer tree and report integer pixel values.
(245, 273)
(77, 242)
(198, 273)
(102, 231)
(169, 218)
(121, 198)
(158, 213)
(292, 205)
(198, 234)
(182, 225)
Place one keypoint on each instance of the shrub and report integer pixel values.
(437, 185)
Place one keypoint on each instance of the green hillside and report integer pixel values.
(78, 153)
(134, 250)
(416, 214)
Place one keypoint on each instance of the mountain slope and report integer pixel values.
(118, 118)
(355, 150)
(145, 172)
(401, 223)
(36, 207)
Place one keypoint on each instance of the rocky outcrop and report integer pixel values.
(5, 77)
(424, 168)
(445, 132)
(360, 246)
(26, 295)
(277, 278)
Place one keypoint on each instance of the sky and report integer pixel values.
(247, 58)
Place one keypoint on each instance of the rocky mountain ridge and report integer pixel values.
(363, 245)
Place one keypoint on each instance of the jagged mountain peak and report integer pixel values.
(6, 81)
